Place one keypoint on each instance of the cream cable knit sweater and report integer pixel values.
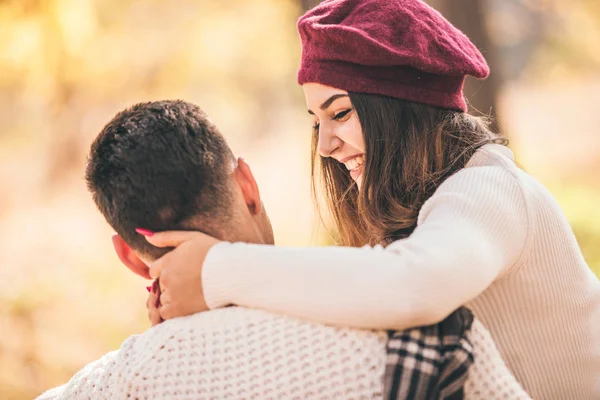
(491, 237)
(236, 353)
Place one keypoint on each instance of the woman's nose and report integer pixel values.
(328, 143)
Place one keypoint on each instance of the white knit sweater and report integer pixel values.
(491, 237)
(237, 353)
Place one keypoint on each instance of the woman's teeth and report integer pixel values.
(354, 163)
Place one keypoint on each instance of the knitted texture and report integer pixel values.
(237, 353)
(489, 378)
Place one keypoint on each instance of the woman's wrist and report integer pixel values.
(218, 276)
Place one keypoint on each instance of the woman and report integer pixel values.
(452, 219)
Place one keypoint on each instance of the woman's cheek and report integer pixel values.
(355, 134)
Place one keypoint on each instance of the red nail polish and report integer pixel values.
(144, 232)
(149, 288)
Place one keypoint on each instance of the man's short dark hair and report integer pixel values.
(161, 166)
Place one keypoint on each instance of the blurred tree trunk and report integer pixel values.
(470, 17)
(308, 4)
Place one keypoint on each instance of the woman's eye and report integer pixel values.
(341, 114)
(337, 117)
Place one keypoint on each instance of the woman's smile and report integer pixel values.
(356, 172)
(354, 164)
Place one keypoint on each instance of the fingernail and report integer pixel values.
(144, 232)
(149, 288)
(155, 286)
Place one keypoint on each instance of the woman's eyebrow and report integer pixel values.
(329, 101)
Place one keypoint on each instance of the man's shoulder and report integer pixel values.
(221, 319)
(228, 315)
(233, 321)
(238, 352)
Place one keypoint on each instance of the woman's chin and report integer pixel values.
(358, 181)
(356, 175)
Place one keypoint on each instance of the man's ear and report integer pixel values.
(129, 258)
(245, 180)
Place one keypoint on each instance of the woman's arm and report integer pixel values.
(470, 232)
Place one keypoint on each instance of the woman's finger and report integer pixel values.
(163, 282)
(154, 315)
(170, 238)
(152, 304)
(165, 299)
(152, 296)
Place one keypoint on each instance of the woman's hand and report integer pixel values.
(153, 304)
(180, 271)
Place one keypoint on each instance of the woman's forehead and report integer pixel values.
(317, 94)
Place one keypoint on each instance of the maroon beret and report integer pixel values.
(398, 48)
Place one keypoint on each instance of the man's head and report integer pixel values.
(164, 166)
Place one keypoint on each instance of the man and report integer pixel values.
(163, 165)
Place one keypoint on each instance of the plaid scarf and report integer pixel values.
(430, 362)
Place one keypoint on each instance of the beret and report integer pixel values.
(398, 48)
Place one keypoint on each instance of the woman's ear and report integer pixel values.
(245, 180)
(130, 258)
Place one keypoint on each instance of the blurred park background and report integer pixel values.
(67, 66)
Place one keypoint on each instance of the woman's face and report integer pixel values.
(337, 125)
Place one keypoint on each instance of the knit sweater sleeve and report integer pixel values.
(470, 232)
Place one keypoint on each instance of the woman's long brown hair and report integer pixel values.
(411, 148)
